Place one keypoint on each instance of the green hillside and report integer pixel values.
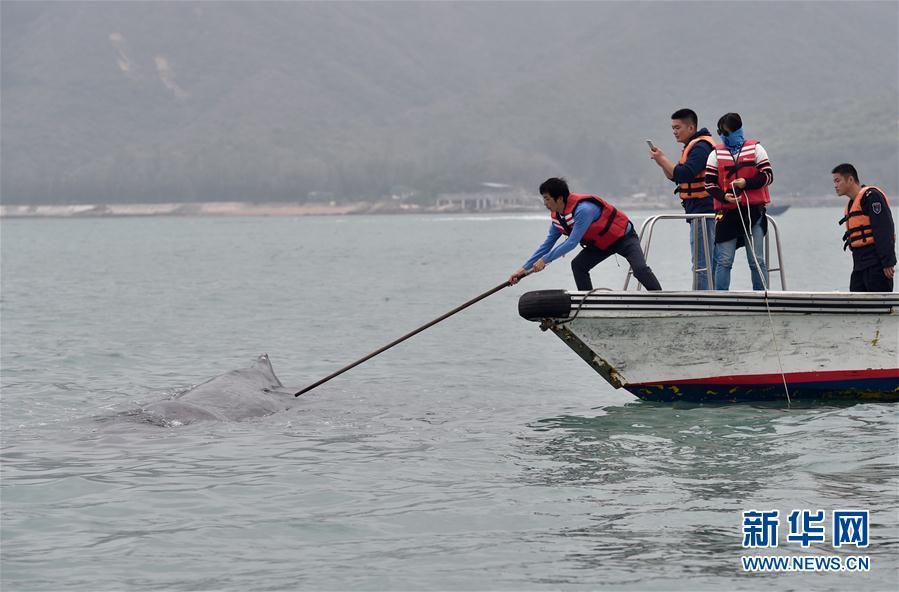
(137, 102)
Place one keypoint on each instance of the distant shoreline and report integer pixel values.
(245, 209)
(223, 208)
(228, 209)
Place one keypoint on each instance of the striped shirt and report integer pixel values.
(764, 176)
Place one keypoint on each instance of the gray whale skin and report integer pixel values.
(233, 396)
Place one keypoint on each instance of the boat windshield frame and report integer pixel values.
(648, 226)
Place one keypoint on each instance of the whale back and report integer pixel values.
(233, 396)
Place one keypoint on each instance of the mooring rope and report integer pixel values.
(581, 304)
(758, 269)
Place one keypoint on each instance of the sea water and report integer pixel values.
(481, 454)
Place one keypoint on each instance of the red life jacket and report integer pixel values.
(729, 171)
(858, 224)
(694, 189)
(608, 228)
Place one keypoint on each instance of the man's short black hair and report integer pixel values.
(556, 187)
(845, 169)
(729, 122)
(687, 114)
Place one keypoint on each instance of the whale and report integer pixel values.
(236, 395)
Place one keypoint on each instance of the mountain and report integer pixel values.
(181, 101)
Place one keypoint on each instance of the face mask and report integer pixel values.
(733, 139)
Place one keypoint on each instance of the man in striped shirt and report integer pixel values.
(737, 175)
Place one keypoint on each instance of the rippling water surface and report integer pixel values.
(482, 454)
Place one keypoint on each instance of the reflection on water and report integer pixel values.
(426, 468)
(690, 447)
(666, 485)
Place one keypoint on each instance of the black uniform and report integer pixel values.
(869, 261)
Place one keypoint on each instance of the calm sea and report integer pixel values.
(482, 454)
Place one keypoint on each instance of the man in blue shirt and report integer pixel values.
(689, 175)
(601, 228)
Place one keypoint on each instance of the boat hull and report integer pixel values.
(836, 386)
(730, 346)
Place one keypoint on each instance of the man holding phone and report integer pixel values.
(689, 176)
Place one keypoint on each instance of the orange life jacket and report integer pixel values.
(730, 170)
(694, 189)
(858, 224)
(608, 228)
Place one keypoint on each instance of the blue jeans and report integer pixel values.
(702, 278)
(724, 260)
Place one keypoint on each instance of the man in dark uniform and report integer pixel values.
(870, 232)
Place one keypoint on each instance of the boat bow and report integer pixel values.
(730, 346)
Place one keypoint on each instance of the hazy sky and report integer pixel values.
(131, 101)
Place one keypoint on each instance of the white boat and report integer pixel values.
(709, 346)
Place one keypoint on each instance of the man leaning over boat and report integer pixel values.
(601, 228)
(870, 232)
(737, 175)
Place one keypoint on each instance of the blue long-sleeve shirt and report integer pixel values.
(585, 214)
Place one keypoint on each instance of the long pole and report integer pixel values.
(490, 292)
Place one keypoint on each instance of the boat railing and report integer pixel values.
(703, 234)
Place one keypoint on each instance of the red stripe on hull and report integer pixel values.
(792, 377)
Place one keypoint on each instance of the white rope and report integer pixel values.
(758, 269)
(581, 304)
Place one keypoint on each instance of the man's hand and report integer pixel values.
(730, 197)
(516, 277)
(740, 183)
(656, 154)
(521, 272)
(889, 271)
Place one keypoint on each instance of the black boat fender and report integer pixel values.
(543, 304)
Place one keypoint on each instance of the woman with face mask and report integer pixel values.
(737, 176)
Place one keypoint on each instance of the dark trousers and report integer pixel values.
(870, 279)
(628, 246)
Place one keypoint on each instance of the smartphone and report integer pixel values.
(650, 144)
